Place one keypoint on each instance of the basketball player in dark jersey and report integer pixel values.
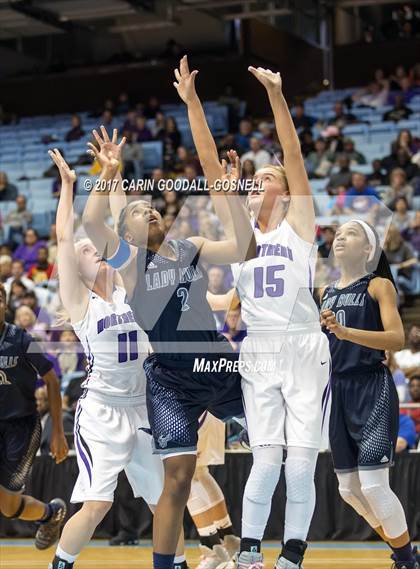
(166, 283)
(360, 317)
(20, 428)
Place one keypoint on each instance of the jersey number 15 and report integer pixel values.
(267, 281)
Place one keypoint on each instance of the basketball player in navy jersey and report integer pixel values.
(360, 317)
(166, 287)
(20, 428)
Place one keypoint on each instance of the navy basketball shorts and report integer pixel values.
(19, 441)
(364, 420)
(177, 397)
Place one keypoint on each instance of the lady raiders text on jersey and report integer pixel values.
(169, 302)
(115, 347)
(354, 308)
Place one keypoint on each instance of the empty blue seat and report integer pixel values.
(152, 155)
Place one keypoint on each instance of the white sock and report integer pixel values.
(179, 559)
(65, 556)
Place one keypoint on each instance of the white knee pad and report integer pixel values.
(299, 479)
(356, 502)
(380, 499)
(262, 482)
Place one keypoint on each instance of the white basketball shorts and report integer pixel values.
(108, 440)
(284, 377)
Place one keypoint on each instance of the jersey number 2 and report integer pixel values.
(182, 293)
(270, 283)
(127, 346)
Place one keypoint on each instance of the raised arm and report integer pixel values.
(73, 292)
(104, 238)
(240, 241)
(301, 213)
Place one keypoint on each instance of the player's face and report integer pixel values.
(350, 243)
(144, 224)
(90, 262)
(269, 189)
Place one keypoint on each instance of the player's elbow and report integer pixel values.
(399, 342)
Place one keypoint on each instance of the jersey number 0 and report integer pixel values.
(267, 281)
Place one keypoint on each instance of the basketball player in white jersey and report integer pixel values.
(112, 409)
(283, 408)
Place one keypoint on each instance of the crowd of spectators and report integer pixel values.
(27, 258)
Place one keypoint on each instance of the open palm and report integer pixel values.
(185, 81)
(108, 149)
(270, 80)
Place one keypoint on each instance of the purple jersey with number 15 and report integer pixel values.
(276, 287)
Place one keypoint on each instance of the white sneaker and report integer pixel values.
(232, 544)
(283, 563)
(247, 560)
(212, 558)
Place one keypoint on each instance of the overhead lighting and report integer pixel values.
(144, 26)
(253, 14)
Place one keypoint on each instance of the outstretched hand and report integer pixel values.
(109, 153)
(67, 175)
(185, 81)
(235, 168)
(271, 81)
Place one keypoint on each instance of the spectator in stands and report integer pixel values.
(184, 158)
(5, 268)
(402, 217)
(106, 118)
(152, 107)
(52, 244)
(408, 91)
(406, 434)
(41, 271)
(341, 118)
(257, 154)
(26, 319)
(319, 162)
(328, 234)
(43, 408)
(398, 376)
(300, 119)
(352, 154)
(28, 250)
(342, 178)
(8, 192)
(18, 274)
(18, 221)
(360, 197)
(412, 233)
(406, 141)
(334, 138)
(242, 138)
(123, 104)
(409, 359)
(233, 329)
(17, 291)
(30, 299)
(129, 124)
(375, 96)
(76, 132)
(158, 127)
(402, 260)
(267, 136)
(171, 138)
(398, 188)
(378, 176)
(307, 144)
(216, 277)
(141, 132)
(414, 391)
(248, 170)
(399, 158)
(399, 111)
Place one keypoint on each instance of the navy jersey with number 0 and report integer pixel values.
(169, 303)
(21, 361)
(355, 308)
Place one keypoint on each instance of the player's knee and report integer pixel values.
(11, 506)
(178, 483)
(299, 479)
(201, 473)
(96, 511)
(350, 498)
(380, 499)
(262, 482)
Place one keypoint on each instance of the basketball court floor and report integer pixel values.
(321, 555)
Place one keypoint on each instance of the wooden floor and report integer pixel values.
(326, 555)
